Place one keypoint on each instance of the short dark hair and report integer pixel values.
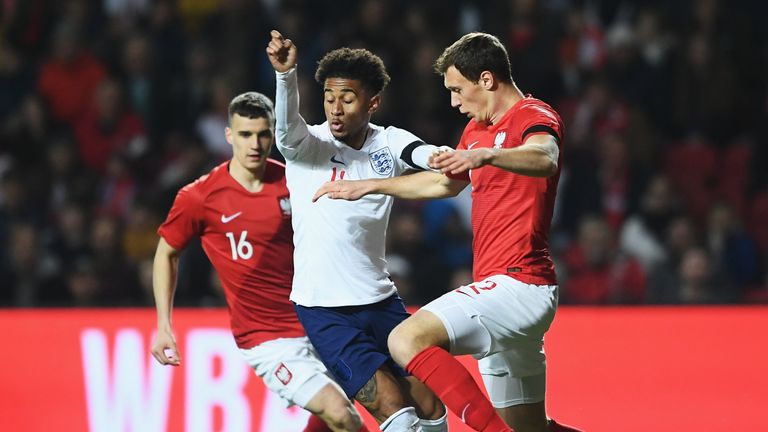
(252, 105)
(474, 53)
(357, 64)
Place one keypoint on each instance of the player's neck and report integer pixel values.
(249, 179)
(357, 140)
(502, 100)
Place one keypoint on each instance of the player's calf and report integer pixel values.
(336, 410)
(381, 395)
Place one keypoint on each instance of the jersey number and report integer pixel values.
(242, 249)
(477, 287)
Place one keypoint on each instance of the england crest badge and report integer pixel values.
(382, 161)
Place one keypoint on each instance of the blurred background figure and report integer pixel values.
(697, 282)
(595, 271)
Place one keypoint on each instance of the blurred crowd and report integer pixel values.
(108, 107)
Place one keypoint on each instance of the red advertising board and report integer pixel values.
(628, 369)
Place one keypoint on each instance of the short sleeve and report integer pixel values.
(184, 221)
(539, 119)
(402, 143)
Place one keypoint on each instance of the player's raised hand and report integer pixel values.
(164, 349)
(281, 52)
(350, 190)
(458, 161)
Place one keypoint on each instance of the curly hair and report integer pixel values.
(357, 64)
(474, 53)
(252, 105)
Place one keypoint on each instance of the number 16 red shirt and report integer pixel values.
(248, 238)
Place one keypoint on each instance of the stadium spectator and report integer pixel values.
(596, 273)
(69, 78)
(733, 254)
(108, 128)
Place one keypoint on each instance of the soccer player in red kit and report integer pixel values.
(242, 213)
(510, 153)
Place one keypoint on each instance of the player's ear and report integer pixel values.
(373, 105)
(487, 80)
(228, 134)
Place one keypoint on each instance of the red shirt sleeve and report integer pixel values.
(540, 119)
(184, 221)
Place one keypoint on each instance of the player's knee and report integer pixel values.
(399, 346)
(404, 342)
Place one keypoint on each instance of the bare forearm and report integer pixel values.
(164, 273)
(537, 157)
(530, 161)
(421, 185)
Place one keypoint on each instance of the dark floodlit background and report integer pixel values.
(108, 107)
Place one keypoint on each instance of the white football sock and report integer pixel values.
(404, 420)
(439, 425)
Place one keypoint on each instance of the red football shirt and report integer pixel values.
(249, 240)
(512, 213)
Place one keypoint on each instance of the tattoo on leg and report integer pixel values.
(367, 394)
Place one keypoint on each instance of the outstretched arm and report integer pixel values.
(421, 185)
(537, 157)
(164, 272)
(291, 130)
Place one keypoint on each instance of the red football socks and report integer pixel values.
(453, 384)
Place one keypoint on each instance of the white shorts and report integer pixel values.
(290, 367)
(501, 321)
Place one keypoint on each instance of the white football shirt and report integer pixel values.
(339, 245)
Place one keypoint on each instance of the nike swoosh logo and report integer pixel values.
(334, 160)
(464, 411)
(227, 219)
(469, 147)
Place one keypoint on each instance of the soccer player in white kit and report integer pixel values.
(241, 213)
(344, 297)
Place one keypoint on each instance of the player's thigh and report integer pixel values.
(466, 333)
(383, 317)
(342, 341)
(525, 418)
(495, 314)
(511, 381)
(420, 331)
(290, 368)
